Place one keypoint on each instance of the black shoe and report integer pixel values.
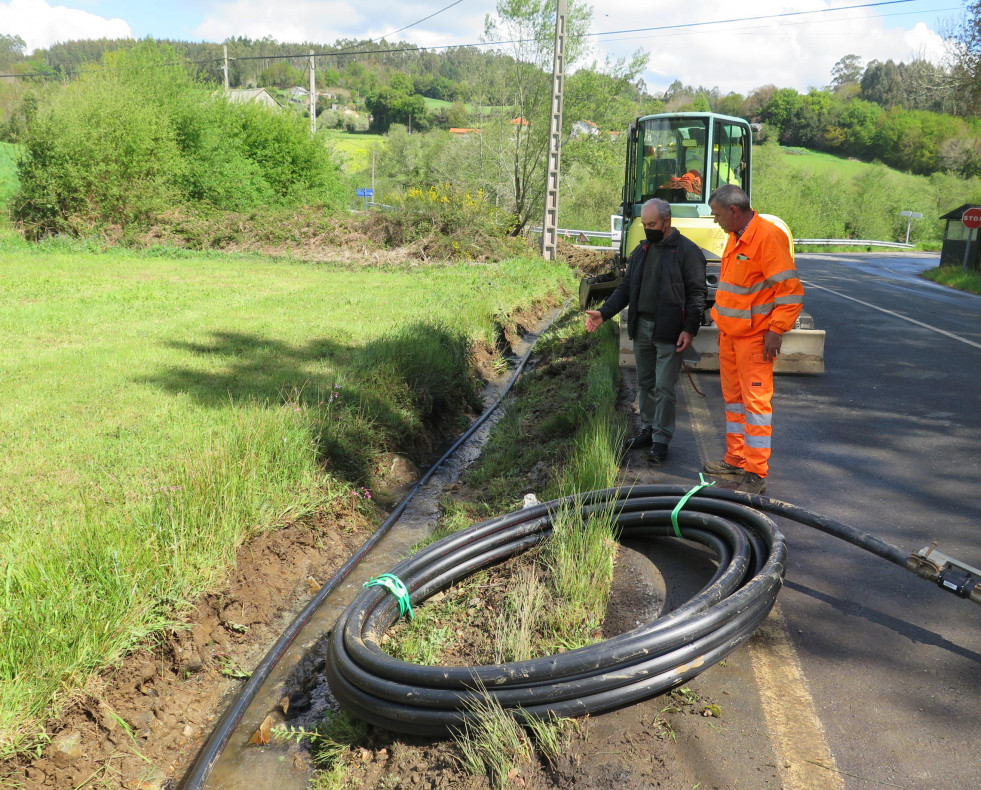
(722, 469)
(752, 484)
(658, 454)
(642, 439)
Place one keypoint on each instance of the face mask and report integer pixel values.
(654, 236)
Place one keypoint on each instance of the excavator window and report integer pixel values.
(673, 165)
(730, 156)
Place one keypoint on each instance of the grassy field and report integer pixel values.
(156, 410)
(819, 162)
(355, 149)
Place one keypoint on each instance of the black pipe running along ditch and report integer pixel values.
(648, 660)
(222, 732)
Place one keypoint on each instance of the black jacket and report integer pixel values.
(681, 301)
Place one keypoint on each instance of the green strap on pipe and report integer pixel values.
(684, 500)
(395, 586)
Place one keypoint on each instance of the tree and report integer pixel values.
(847, 71)
(523, 89)
(280, 75)
(968, 54)
(881, 83)
(731, 104)
(782, 111)
(605, 94)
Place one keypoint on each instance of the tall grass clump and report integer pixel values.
(138, 136)
(956, 277)
(491, 742)
(580, 554)
(427, 373)
(595, 459)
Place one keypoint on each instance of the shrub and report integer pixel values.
(449, 221)
(138, 136)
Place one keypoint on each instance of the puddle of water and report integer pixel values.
(275, 765)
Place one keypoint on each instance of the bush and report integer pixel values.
(130, 140)
(449, 221)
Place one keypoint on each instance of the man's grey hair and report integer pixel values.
(662, 206)
(730, 195)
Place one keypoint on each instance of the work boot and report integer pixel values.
(722, 469)
(642, 439)
(658, 454)
(752, 483)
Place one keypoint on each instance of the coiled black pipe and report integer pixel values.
(433, 701)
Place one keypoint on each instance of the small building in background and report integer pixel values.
(250, 96)
(961, 247)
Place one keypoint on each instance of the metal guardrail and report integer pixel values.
(852, 243)
(589, 234)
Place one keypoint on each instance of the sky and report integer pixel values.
(709, 43)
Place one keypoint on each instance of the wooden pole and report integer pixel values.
(313, 95)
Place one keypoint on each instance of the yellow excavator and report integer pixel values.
(682, 158)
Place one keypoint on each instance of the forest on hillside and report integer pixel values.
(916, 117)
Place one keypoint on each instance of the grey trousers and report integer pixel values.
(658, 366)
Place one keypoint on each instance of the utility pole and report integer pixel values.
(551, 222)
(226, 68)
(313, 96)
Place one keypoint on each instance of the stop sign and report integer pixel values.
(972, 218)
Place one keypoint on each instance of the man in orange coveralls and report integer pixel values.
(759, 297)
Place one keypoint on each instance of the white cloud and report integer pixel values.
(287, 21)
(326, 22)
(41, 24)
(790, 52)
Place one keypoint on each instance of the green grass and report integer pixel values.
(355, 149)
(956, 277)
(155, 412)
(819, 162)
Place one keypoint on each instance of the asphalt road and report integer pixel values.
(887, 440)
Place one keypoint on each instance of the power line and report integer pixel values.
(436, 13)
(661, 28)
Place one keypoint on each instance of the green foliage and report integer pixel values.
(451, 220)
(956, 277)
(280, 75)
(127, 142)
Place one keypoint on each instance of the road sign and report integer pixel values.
(972, 218)
(910, 214)
(366, 192)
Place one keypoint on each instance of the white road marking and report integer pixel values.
(895, 315)
(803, 755)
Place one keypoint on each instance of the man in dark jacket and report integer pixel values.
(665, 290)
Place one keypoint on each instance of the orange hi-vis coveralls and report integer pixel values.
(758, 291)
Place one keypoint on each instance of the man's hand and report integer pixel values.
(771, 345)
(593, 320)
(684, 341)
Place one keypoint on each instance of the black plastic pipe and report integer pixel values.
(433, 701)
